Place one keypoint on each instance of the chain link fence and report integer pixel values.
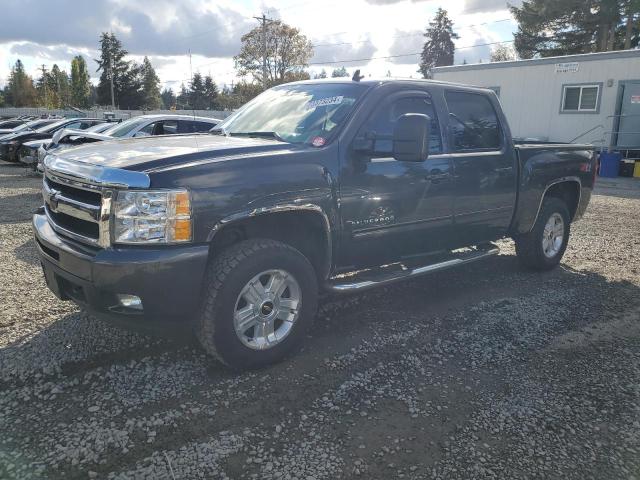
(99, 112)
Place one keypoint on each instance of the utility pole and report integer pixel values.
(113, 102)
(45, 87)
(263, 20)
(110, 72)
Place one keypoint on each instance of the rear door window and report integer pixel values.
(473, 122)
(168, 127)
(193, 126)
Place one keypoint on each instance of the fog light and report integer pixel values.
(129, 301)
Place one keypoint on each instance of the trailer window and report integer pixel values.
(473, 122)
(580, 98)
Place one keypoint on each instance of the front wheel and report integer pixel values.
(543, 247)
(259, 299)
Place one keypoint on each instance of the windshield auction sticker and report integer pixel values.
(323, 102)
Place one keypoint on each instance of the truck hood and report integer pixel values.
(77, 134)
(150, 153)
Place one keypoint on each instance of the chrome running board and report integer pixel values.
(385, 275)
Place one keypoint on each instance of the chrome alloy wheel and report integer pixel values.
(266, 309)
(553, 235)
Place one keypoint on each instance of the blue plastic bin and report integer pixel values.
(610, 164)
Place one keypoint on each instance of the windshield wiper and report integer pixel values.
(271, 135)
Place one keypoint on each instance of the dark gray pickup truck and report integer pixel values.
(325, 186)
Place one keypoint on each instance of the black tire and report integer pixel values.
(529, 245)
(225, 278)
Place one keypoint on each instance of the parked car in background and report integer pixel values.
(10, 144)
(69, 137)
(142, 126)
(150, 125)
(29, 125)
(311, 187)
(32, 152)
(7, 126)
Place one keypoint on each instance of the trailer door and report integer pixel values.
(628, 135)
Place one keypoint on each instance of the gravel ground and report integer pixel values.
(486, 372)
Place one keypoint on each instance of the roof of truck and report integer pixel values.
(371, 81)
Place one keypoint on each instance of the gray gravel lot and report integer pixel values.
(486, 372)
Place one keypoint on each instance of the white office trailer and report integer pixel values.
(590, 98)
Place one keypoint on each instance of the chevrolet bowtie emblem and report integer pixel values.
(53, 201)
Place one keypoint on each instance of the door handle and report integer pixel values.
(437, 177)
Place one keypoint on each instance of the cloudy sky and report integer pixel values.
(377, 36)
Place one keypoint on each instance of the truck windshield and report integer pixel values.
(299, 113)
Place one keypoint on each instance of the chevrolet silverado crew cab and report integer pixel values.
(312, 187)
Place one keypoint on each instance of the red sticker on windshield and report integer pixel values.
(318, 141)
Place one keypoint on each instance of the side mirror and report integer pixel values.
(411, 138)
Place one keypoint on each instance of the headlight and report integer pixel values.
(152, 216)
(42, 152)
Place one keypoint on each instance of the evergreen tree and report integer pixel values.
(80, 85)
(323, 74)
(132, 95)
(550, 28)
(237, 95)
(439, 47)
(112, 63)
(210, 93)
(168, 99)
(150, 86)
(61, 87)
(45, 98)
(183, 101)
(1, 99)
(197, 94)
(20, 91)
(339, 72)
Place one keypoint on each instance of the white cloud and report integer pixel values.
(166, 30)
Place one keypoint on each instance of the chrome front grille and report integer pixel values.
(78, 197)
(78, 211)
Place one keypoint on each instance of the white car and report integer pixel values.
(142, 126)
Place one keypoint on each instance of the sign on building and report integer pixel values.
(567, 67)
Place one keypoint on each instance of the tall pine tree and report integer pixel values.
(45, 98)
(112, 63)
(80, 85)
(197, 94)
(20, 91)
(210, 93)
(168, 99)
(183, 100)
(150, 86)
(550, 27)
(439, 48)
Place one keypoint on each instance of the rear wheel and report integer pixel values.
(259, 299)
(543, 247)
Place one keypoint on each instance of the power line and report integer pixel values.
(404, 35)
(403, 54)
(401, 36)
(386, 57)
(263, 19)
